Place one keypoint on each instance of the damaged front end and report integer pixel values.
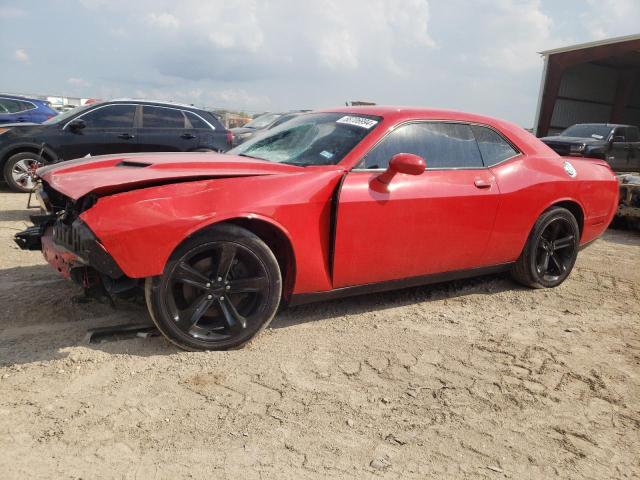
(70, 246)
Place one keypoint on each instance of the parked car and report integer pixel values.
(64, 108)
(313, 209)
(16, 109)
(619, 145)
(118, 126)
(261, 124)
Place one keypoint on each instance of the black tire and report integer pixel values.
(550, 252)
(18, 171)
(221, 295)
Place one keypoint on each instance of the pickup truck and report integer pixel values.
(619, 145)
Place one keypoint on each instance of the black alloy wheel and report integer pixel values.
(555, 250)
(217, 292)
(551, 250)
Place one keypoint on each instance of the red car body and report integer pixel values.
(332, 226)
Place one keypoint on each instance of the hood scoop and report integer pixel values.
(129, 163)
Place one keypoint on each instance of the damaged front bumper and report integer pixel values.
(68, 246)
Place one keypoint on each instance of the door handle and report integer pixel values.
(482, 184)
(188, 136)
(126, 136)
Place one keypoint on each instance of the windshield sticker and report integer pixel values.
(358, 121)
(326, 154)
(596, 136)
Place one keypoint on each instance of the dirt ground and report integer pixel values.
(472, 379)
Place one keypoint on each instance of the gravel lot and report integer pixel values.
(472, 379)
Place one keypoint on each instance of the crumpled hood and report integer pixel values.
(116, 173)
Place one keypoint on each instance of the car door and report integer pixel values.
(164, 129)
(633, 140)
(211, 134)
(621, 152)
(438, 221)
(109, 129)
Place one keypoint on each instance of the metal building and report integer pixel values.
(596, 82)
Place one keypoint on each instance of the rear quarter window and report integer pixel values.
(633, 135)
(493, 146)
(196, 121)
(160, 117)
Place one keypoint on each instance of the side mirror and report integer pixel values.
(617, 139)
(406, 163)
(77, 124)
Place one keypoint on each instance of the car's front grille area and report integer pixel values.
(68, 237)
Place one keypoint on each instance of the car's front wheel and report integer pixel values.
(218, 290)
(20, 171)
(551, 250)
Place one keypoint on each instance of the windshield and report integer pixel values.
(587, 130)
(68, 114)
(262, 121)
(311, 139)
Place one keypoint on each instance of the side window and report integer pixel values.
(112, 116)
(24, 106)
(158, 117)
(632, 134)
(442, 145)
(620, 132)
(493, 148)
(12, 106)
(196, 121)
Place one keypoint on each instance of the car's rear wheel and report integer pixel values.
(20, 171)
(218, 290)
(551, 250)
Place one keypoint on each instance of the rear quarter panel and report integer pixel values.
(529, 185)
(141, 228)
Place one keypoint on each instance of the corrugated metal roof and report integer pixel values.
(597, 43)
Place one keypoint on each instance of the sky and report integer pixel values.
(258, 55)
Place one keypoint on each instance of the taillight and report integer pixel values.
(229, 137)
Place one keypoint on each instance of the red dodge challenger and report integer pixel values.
(331, 203)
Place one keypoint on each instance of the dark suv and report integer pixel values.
(619, 145)
(112, 127)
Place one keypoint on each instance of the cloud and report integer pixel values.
(78, 82)
(258, 39)
(21, 56)
(163, 20)
(11, 12)
(280, 54)
(622, 17)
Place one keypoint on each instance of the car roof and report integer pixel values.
(395, 113)
(20, 97)
(160, 103)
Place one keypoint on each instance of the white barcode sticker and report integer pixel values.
(358, 121)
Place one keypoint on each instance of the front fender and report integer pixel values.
(141, 228)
